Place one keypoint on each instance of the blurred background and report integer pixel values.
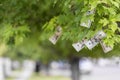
(90, 69)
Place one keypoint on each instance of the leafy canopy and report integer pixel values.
(24, 18)
(104, 15)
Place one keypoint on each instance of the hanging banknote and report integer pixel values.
(90, 12)
(105, 47)
(78, 46)
(95, 40)
(91, 43)
(101, 34)
(88, 22)
(53, 39)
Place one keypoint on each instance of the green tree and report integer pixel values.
(96, 15)
(103, 15)
(23, 20)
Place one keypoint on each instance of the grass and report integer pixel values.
(41, 77)
(9, 79)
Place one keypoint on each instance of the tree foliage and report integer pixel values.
(103, 14)
(21, 18)
(22, 23)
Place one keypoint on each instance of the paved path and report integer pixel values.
(98, 73)
(27, 71)
(103, 73)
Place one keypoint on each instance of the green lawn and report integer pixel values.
(43, 77)
(37, 77)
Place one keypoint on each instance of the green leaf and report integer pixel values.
(104, 21)
(113, 26)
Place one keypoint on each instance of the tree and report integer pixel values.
(22, 20)
(19, 17)
(95, 15)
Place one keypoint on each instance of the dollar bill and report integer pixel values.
(105, 48)
(53, 39)
(78, 46)
(88, 22)
(101, 34)
(91, 43)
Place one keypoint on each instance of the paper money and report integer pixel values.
(86, 24)
(91, 43)
(78, 46)
(101, 34)
(105, 48)
(53, 39)
(90, 12)
(89, 22)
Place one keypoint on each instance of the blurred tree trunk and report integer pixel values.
(37, 67)
(74, 62)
